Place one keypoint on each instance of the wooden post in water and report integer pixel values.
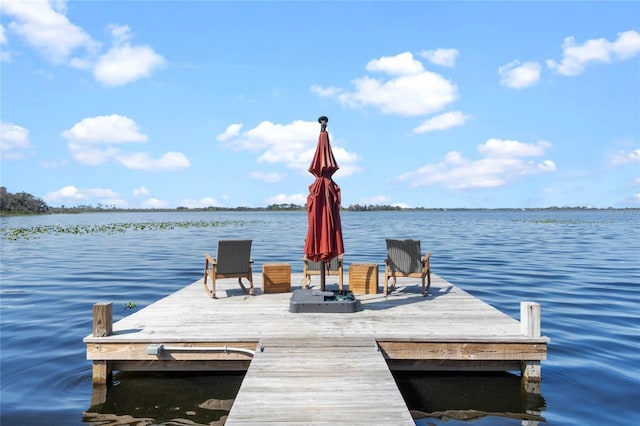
(102, 327)
(530, 326)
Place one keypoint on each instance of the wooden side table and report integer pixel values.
(276, 277)
(363, 278)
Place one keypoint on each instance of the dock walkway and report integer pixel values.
(301, 381)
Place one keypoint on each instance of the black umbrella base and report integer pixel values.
(316, 301)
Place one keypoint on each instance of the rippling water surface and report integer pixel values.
(583, 267)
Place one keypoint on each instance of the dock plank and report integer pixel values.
(305, 381)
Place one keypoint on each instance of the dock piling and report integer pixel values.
(530, 326)
(102, 319)
(102, 327)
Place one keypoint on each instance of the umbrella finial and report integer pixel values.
(323, 123)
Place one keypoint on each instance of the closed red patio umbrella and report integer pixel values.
(324, 235)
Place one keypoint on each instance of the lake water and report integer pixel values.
(583, 267)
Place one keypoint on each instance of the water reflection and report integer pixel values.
(434, 398)
(456, 398)
(164, 398)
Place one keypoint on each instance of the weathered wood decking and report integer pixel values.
(449, 329)
(328, 381)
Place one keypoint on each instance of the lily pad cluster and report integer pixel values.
(26, 233)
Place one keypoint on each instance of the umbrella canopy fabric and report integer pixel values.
(324, 235)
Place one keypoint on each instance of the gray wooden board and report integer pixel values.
(306, 381)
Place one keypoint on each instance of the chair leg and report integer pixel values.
(250, 283)
(242, 285)
(388, 289)
(250, 279)
(210, 292)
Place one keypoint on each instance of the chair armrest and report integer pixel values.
(210, 259)
(425, 259)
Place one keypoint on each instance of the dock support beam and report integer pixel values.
(102, 327)
(530, 326)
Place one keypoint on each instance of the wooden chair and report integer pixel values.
(404, 260)
(314, 268)
(233, 261)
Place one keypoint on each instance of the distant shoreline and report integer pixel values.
(302, 209)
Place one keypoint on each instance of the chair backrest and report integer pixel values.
(233, 256)
(404, 256)
(315, 266)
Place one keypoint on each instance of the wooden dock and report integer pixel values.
(311, 367)
(327, 381)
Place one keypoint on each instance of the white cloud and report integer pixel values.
(442, 122)
(124, 63)
(112, 129)
(509, 148)
(44, 26)
(504, 161)
(4, 55)
(519, 76)
(142, 161)
(232, 131)
(325, 92)
(402, 205)
(72, 194)
(292, 145)
(47, 29)
(622, 157)
(409, 90)
(575, 57)
(401, 64)
(267, 177)
(141, 192)
(14, 141)
(299, 199)
(53, 164)
(93, 141)
(378, 199)
(121, 33)
(442, 57)
(201, 203)
(154, 203)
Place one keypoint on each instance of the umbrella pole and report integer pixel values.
(322, 279)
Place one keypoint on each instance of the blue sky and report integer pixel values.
(430, 104)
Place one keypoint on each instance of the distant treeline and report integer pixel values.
(23, 203)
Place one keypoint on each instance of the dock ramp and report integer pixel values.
(319, 381)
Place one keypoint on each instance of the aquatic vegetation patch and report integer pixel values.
(27, 233)
(559, 221)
